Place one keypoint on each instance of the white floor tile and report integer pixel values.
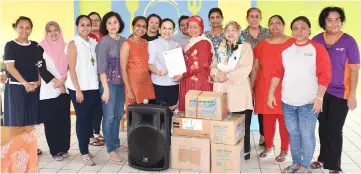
(56, 165)
(48, 170)
(110, 168)
(73, 166)
(127, 169)
(68, 171)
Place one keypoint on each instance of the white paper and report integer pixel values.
(192, 124)
(174, 60)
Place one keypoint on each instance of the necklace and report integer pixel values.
(92, 60)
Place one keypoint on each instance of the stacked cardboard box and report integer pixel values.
(205, 137)
(227, 144)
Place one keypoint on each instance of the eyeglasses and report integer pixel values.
(230, 31)
(95, 21)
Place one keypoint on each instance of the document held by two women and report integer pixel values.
(174, 60)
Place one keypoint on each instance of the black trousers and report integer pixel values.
(56, 115)
(331, 122)
(260, 123)
(247, 136)
(97, 121)
(85, 112)
(169, 95)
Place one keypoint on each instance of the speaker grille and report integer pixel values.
(146, 145)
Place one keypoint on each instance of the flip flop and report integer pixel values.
(122, 149)
(290, 169)
(99, 137)
(58, 157)
(97, 143)
(316, 165)
(264, 155)
(39, 152)
(279, 159)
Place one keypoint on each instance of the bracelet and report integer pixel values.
(319, 98)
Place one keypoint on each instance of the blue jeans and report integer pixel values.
(112, 113)
(300, 123)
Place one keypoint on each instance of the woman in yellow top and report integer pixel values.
(230, 71)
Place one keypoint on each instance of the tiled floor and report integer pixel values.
(351, 156)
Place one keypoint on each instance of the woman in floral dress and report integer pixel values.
(198, 58)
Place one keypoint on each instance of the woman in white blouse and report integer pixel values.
(54, 101)
(83, 84)
(165, 89)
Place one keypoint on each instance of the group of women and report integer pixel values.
(318, 78)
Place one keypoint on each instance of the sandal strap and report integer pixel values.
(316, 165)
(88, 161)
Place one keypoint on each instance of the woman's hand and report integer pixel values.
(131, 97)
(36, 84)
(105, 96)
(221, 76)
(317, 105)
(163, 72)
(62, 89)
(177, 78)
(79, 96)
(271, 100)
(352, 102)
(29, 87)
(60, 83)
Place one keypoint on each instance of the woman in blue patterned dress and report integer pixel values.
(216, 34)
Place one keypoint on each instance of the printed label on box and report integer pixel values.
(207, 107)
(192, 124)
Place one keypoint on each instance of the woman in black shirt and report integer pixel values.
(21, 89)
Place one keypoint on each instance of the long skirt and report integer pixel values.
(20, 107)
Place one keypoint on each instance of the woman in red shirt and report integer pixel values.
(198, 58)
(96, 20)
(265, 54)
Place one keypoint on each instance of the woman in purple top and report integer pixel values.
(341, 92)
(111, 86)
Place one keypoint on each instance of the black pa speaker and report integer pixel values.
(148, 137)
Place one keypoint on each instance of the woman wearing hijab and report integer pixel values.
(198, 57)
(54, 101)
(230, 72)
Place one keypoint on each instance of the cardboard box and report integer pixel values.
(206, 105)
(190, 153)
(190, 126)
(227, 158)
(229, 131)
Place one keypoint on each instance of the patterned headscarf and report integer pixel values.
(239, 28)
(198, 20)
(224, 52)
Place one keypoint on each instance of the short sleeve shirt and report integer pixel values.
(344, 53)
(25, 57)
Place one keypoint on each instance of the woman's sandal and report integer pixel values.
(65, 155)
(264, 155)
(97, 143)
(122, 149)
(317, 165)
(88, 161)
(280, 159)
(39, 152)
(99, 137)
(58, 157)
(290, 169)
